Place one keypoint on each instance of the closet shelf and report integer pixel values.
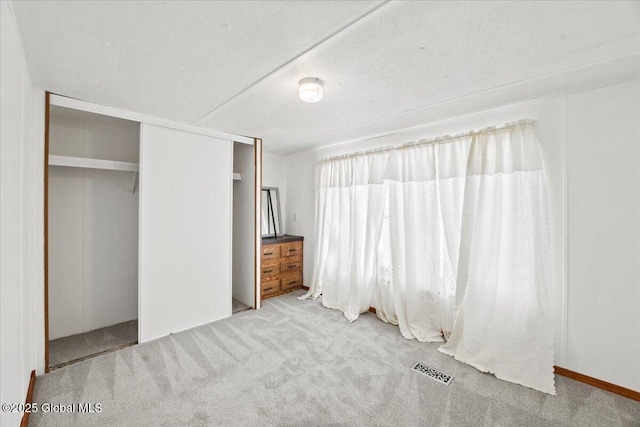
(237, 177)
(83, 162)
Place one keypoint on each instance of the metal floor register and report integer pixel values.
(432, 373)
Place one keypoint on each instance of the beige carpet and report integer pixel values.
(80, 346)
(237, 306)
(296, 363)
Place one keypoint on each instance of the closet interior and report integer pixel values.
(244, 234)
(92, 234)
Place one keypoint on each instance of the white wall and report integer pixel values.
(552, 127)
(274, 175)
(93, 225)
(604, 234)
(185, 233)
(21, 221)
(244, 201)
(96, 136)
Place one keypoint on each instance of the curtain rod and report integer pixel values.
(436, 140)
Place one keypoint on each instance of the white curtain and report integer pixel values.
(450, 240)
(349, 211)
(426, 186)
(504, 274)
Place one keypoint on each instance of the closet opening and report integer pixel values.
(244, 230)
(92, 234)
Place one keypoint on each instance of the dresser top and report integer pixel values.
(281, 239)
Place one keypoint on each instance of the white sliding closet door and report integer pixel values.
(185, 230)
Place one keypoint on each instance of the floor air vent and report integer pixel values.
(432, 373)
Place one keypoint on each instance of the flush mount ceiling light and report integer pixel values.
(310, 89)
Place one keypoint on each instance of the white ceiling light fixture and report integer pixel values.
(310, 89)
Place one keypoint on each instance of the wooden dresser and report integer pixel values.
(281, 265)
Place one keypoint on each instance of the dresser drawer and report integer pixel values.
(289, 249)
(291, 280)
(291, 266)
(270, 272)
(269, 288)
(270, 252)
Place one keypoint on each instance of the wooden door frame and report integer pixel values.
(47, 105)
(257, 145)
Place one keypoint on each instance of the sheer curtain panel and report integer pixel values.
(349, 213)
(425, 195)
(504, 275)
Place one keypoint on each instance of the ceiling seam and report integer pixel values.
(271, 74)
(629, 54)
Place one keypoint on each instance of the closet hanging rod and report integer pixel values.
(83, 162)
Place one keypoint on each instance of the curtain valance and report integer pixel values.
(397, 163)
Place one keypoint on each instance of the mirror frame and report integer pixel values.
(277, 228)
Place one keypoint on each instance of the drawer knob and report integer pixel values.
(293, 266)
(271, 270)
(268, 253)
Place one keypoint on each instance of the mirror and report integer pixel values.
(271, 221)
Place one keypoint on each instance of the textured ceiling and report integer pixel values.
(175, 60)
(234, 66)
